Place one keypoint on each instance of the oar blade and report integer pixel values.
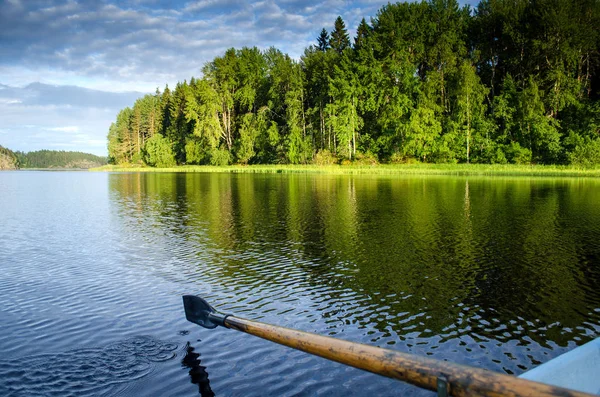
(198, 311)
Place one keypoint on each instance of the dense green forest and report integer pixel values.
(511, 81)
(8, 159)
(59, 159)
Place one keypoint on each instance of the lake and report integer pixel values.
(495, 272)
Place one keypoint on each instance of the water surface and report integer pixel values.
(500, 273)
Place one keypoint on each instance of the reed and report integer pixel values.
(381, 169)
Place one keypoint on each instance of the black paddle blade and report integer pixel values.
(198, 311)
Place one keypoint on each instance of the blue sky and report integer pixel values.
(67, 67)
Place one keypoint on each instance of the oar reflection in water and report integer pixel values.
(198, 373)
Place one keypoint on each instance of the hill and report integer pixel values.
(59, 159)
(8, 159)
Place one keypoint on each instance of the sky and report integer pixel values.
(68, 66)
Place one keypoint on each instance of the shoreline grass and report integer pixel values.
(382, 169)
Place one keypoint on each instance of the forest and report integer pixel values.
(59, 159)
(48, 159)
(509, 81)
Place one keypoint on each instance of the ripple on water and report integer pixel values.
(90, 371)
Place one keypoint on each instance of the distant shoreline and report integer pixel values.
(395, 169)
(53, 169)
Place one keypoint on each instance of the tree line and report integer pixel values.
(48, 159)
(59, 159)
(510, 81)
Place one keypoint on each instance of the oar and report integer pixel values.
(441, 376)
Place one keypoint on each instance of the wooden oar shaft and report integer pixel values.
(420, 371)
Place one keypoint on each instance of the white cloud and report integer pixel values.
(8, 101)
(108, 46)
(59, 117)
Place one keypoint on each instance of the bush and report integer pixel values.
(517, 154)
(220, 157)
(498, 157)
(586, 154)
(443, 154)
(193, 152)
(367, 158)
(137, 158)
(491, 154)
(400, 158)
(324, 157)
(158, 152)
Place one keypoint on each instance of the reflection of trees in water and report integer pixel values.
(198, 374)
(529, 282)
(502, 258)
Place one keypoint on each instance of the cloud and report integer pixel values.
(150, 42)
(78, 97)
(40, 116)
(214, 7)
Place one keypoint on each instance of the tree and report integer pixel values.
(252, 126)
(422, 134)
(221, 75)
(194, 151)
(399, 42)
(120, 138)
(339, 36)
(251, 74)
(144, 121)
(372, 86)
(345, 90)
(539, 133)
(317, 67)
(286, 103)
(323, 40)
(363, 31)
(469, 108)
(445, 45)
(203, 106)
(298, 144)
(158, 152)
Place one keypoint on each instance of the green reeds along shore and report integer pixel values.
(383, 169)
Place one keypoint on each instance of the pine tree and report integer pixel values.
(339, 37)
(323, 40)
(344, 87)
(362, 33)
